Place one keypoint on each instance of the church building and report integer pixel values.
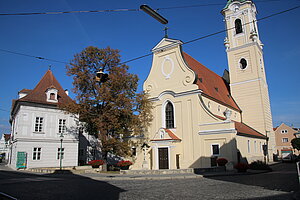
(199, 115)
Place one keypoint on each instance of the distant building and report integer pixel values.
(89, 148)
(4, 146)
(38, 126)
(283, 136)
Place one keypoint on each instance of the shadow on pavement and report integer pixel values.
(283, 178)
(58, 185)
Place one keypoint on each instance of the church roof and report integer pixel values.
(212, 85)
(231, 1)
(38, 94)
(245, 130)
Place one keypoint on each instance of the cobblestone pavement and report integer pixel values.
(201, 188)
(24, 185)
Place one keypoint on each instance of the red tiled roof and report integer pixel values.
(245, 130)
(25, 91)
(38, 94)
(171, 135)
(212, 85)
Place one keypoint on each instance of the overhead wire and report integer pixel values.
(146, 55)
(222, 31)
(32, 56)
(204, 5)
(115, 10)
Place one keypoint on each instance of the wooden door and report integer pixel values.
(163, 157)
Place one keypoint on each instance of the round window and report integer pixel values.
(243, 63)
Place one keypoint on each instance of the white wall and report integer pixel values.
(25, 138)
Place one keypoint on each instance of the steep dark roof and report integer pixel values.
(212, 85)
(38, 94)
(25, 91)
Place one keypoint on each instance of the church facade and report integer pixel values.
(199, 115)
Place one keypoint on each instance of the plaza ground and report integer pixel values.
(281, 183)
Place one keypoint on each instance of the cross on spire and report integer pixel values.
(166, 32)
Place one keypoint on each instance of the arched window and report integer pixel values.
(169, 115)
(238, 26)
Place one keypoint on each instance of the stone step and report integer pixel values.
(157, 172)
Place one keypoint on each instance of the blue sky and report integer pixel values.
(135, 33)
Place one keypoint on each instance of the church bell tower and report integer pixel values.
(248, 84)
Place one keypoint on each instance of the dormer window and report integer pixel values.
(51, 95)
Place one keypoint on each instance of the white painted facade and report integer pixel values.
(4, 144)
(25, 138)
(41, 132)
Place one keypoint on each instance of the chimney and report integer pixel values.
(67, 91)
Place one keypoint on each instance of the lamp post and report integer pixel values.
(60, 153)
(156, 16)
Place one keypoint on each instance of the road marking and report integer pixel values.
(18, 180)
(6, 196)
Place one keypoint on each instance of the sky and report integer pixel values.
(60, 36)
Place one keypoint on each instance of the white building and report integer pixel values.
(37, 127)
(4, 144)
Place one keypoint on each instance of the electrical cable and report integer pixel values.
(222, 31)
(204, 5)
(116, 10)
(69, 12)
(149, 54)
(37, 57)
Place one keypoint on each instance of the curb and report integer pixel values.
(120, 178)
(236, 174)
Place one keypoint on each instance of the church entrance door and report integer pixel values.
(163, 158)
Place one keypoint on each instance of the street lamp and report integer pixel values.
(101, 77)
(156, 16)
(60, 156)
(153, 14)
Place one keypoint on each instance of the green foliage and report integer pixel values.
(113, 110)
(296, 143)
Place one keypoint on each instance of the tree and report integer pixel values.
(113, 111)
(296, 143)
